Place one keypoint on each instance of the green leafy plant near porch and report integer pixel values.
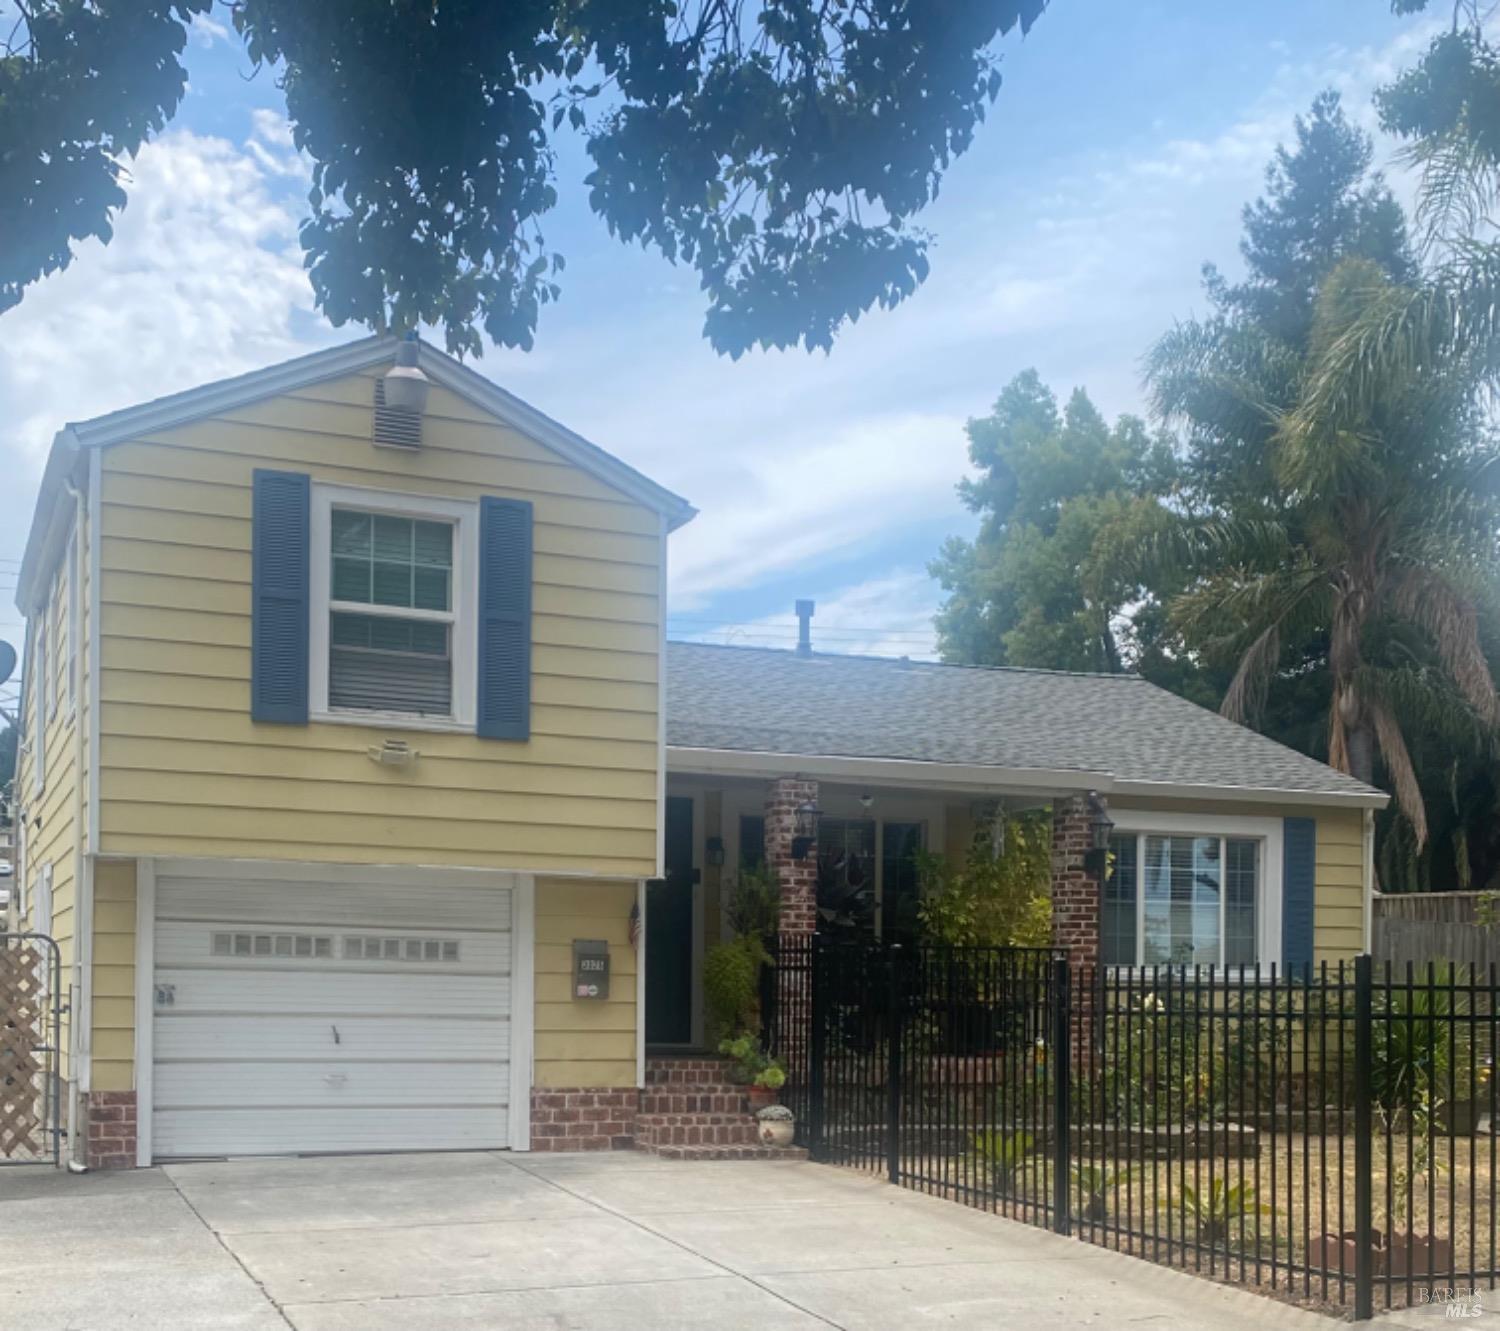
(732, 969)
(752, 1065)
(999, 897)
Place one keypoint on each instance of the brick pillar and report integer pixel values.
(798, 878)
(1075, 888)
(109, 1124)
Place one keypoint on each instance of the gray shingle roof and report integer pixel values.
(769, 701)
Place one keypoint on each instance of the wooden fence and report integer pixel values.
(1433, 926)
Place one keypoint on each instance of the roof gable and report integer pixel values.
(336, 362)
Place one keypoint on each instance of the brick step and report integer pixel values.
(756, 1152)
(695, 1099)
(696, 1130)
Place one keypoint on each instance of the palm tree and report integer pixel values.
(1367, 552)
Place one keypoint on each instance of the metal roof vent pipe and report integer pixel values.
(405, 385)
(804, 628)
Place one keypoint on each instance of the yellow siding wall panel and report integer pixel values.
(582, 1042)
(114, 975)
(185, 771)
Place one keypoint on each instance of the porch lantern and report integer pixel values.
(805, 837)
(716, 852)
(1100, 829)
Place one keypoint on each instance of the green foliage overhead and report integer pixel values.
(780, 147)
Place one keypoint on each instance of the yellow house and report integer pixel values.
(358, 780)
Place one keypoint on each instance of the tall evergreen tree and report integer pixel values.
(1026, 590)
(1339, 557)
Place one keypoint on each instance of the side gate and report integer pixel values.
(31, 1004)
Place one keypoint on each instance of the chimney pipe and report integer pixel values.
(804, 628)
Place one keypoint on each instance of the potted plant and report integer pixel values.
(775, 1126)
(762, 1075)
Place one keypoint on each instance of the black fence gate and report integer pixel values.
(30, 1037)
(1329, 1135)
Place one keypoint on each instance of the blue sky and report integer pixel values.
(1123, 145)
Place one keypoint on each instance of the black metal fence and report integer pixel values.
(1329, 1135)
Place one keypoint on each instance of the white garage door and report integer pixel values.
(339, 1012)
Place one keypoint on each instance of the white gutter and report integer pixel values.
(961, 777)
(886, 771)
(1345, 799)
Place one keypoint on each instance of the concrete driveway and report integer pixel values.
(446, 1242)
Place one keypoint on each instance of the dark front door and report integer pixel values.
(669, 934)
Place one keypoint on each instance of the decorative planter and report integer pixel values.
(1461, 1117)
(775, 1131)
(1340, 1252)
(1420, 1255)
(760, 1096)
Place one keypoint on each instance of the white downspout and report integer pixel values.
(1369, 868)
(80, 1016)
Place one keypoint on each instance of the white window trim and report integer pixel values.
(1235, 827)
(465, 640)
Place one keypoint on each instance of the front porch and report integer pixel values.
(860, 843)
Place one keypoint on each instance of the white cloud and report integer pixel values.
(817, 496)
(201, 280)
(207, 31)
(890, 615)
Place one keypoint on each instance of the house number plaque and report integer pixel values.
(590, 968)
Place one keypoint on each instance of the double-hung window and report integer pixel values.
(393, 607)
(1188, 898)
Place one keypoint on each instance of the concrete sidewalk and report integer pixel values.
(446, 1242)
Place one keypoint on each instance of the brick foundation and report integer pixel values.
(1075, 888)
(798, 878)
(109, 1117)
(584, 1118)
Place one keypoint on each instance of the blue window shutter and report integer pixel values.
(1299, 850)
(281, 522)
(504, 619)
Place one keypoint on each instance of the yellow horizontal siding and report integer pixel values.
(582, 1042)
(1339, 907)
(185, 771)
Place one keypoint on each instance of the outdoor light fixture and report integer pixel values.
(867, 801)
(806, 835)
(405, 384)
(716, 852)
(1100, 829)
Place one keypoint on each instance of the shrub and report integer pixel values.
(1000, 897)
(731, 984)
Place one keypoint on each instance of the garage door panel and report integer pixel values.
(346, 1011)
(315, 1084)
(294, 1037)
(324, 995)
(201, 1132)
(400, 903)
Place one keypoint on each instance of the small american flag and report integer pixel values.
(635, 925)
